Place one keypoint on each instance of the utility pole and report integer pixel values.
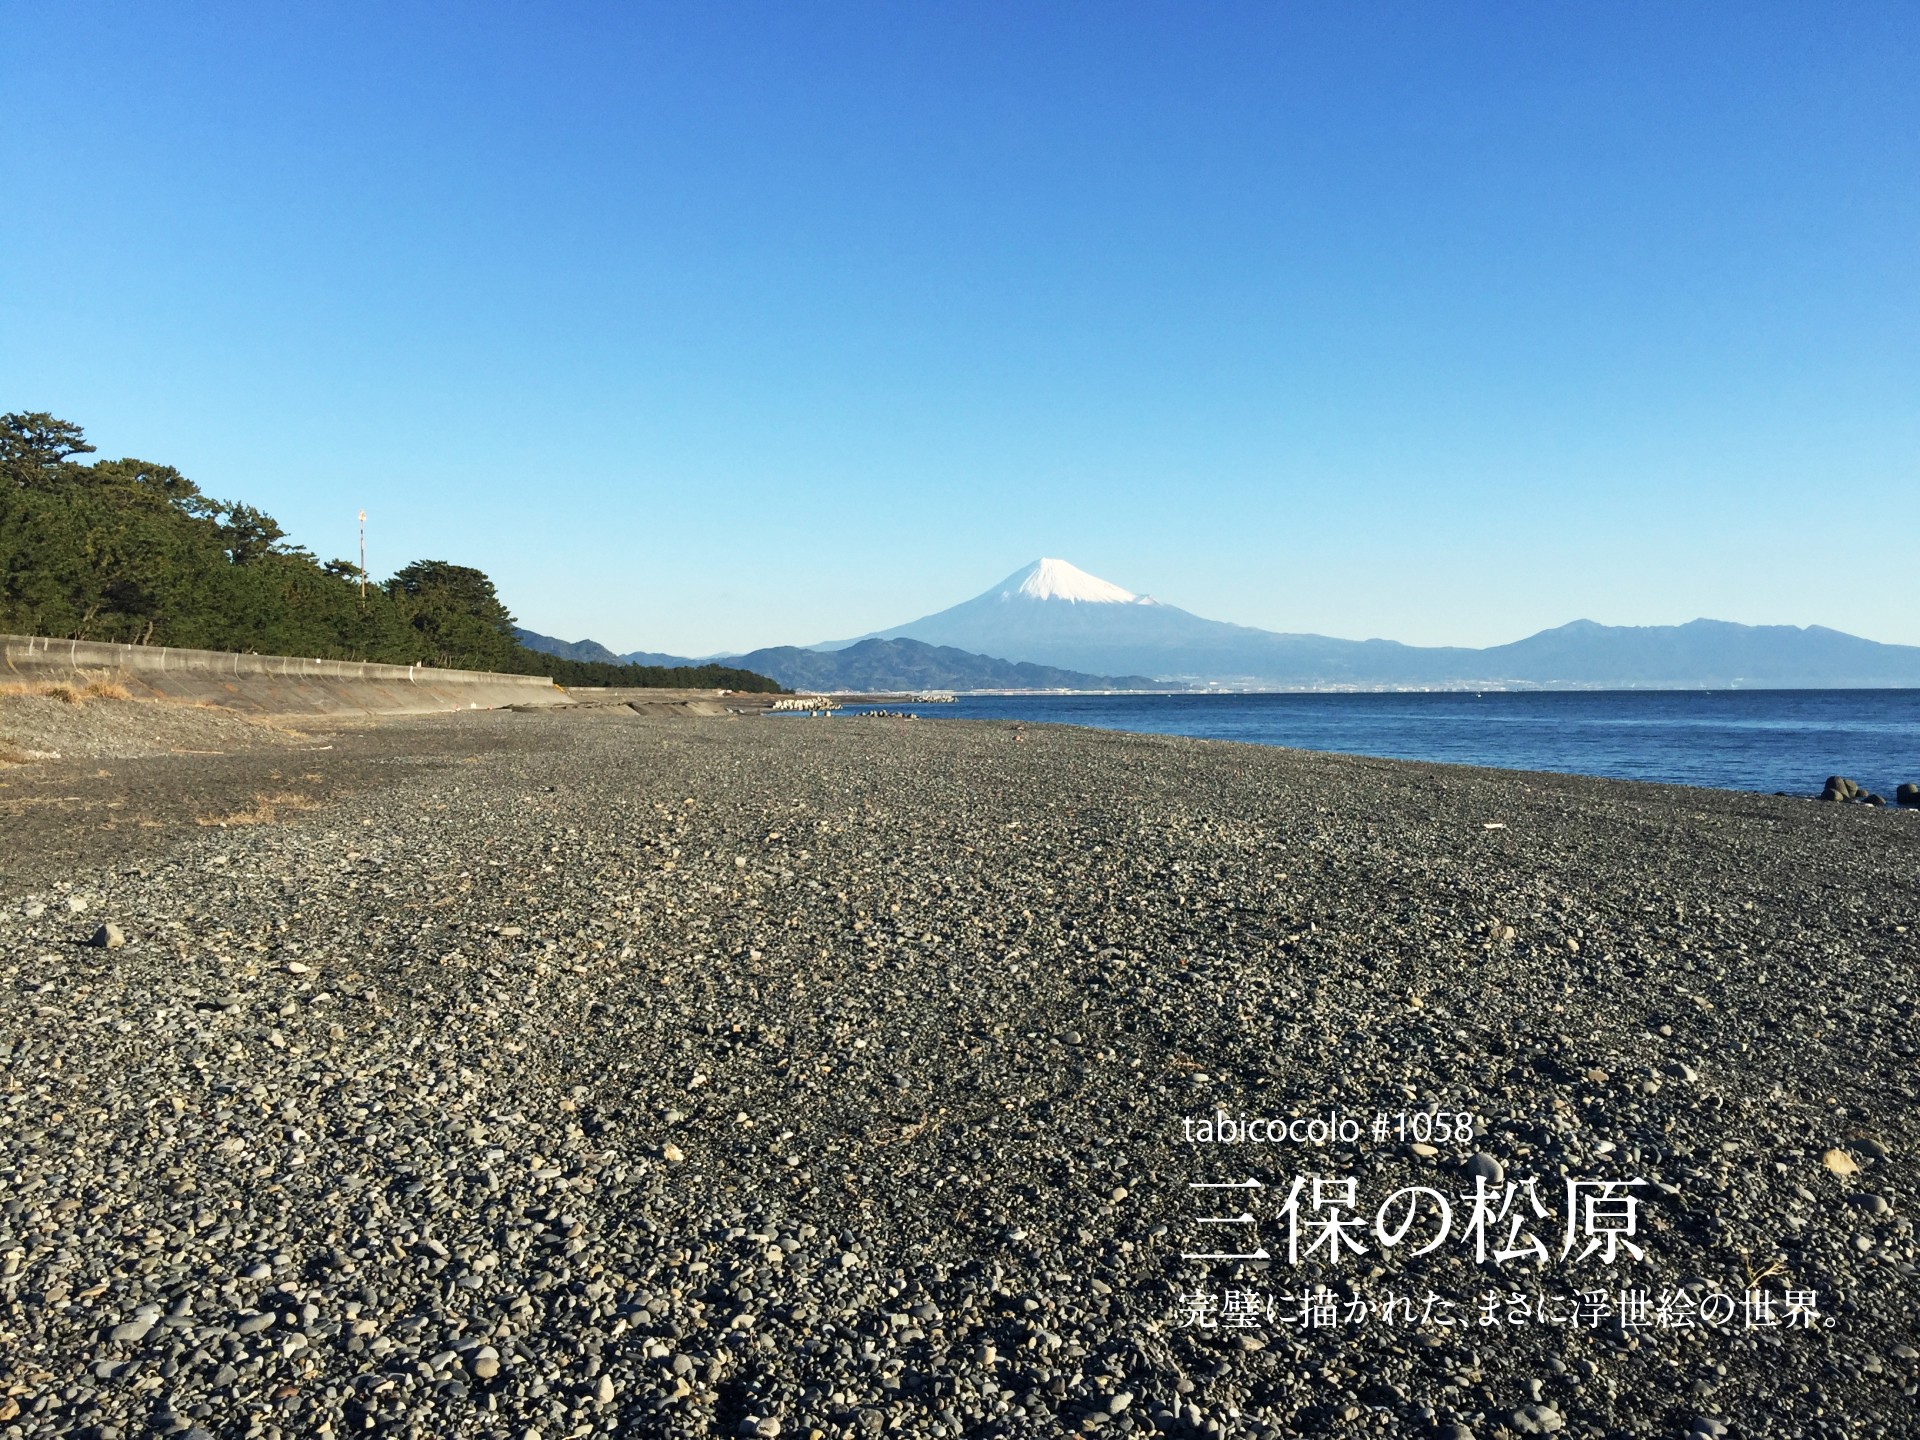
(363, 555)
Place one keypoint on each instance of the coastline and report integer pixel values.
(1783, 742)
(709, 1072)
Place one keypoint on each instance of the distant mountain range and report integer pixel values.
(588, 650)
(914, 665)
(869, 665)
(1086, 631)
(1055, 614)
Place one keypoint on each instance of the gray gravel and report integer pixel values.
(38, 727)
(625, 1076)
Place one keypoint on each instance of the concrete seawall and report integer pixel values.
(269, 684)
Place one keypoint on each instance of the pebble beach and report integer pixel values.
(595, 1073)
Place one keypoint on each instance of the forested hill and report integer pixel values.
(132, 551)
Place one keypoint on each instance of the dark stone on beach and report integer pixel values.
(1872, 799)
(1842, 787)
(1907, 794)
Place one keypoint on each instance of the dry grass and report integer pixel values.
(266, 809)
(94, 716)
(80, 692)
(76, 693)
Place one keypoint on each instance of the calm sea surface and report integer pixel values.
(1732, 739)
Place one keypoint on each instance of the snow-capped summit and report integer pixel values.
(1049, 579)
(1053, 605)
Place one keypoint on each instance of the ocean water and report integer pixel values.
(1764, 740)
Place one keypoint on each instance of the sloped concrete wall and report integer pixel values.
(269, 684)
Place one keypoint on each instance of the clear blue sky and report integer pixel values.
(706, 326)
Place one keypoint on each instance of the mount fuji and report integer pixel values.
(1054, 613)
